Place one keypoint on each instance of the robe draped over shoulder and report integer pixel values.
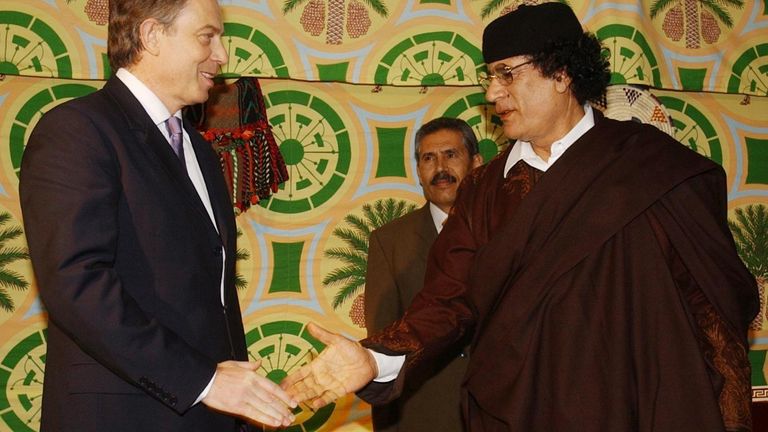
(604, 294)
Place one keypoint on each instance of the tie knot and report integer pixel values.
(174, 130)
(174, 125)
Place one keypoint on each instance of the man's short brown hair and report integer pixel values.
(124, 45)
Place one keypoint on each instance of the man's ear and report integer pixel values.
(562, 82)
(150, 32)
(477, 160)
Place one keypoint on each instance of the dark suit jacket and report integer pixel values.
(397, 257)
(129, 266)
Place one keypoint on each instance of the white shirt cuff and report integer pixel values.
(389, 366)
(205, 390)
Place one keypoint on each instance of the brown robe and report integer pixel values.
(610, 297)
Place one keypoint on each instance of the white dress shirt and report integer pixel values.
(438, 216)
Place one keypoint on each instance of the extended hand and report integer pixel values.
(239, 390)
(343, 367)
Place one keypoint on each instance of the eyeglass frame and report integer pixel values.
(502, 72)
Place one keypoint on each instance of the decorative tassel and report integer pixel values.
(250, 158)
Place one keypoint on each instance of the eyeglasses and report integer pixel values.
(502, 72)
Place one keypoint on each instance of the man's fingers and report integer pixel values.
(275, 410)
(295, 377)
(301, 391)
(324, 400)
(266, 404)
(275, 391)
(263, 415)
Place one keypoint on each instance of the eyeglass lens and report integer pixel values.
(505, 74)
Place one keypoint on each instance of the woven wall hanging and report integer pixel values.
(234, 121)
(631, 102)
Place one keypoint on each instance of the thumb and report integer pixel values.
(252, 365)
(321, 334)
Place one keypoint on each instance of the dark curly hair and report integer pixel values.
(585, 60)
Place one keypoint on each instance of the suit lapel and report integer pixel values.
(217, 190)
(146, 132)
(426, 231)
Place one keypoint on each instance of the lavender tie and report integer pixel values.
(177, 140)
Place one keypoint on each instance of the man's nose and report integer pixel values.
(219, 53)
(440, 163)
(494, 91)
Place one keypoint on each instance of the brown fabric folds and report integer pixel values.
(579, 322)
(725, 356)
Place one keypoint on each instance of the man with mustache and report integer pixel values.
(446, 151)
(591, 263)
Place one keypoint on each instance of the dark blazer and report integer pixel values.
(397, 257)
(129, 266)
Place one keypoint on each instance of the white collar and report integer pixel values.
(148, 99)
(522, 150)
(438, 216)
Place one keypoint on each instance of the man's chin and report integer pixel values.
(200, 97)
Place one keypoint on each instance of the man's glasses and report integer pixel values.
(502, 72)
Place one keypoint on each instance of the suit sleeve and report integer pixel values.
(382, 297)
(70, 188)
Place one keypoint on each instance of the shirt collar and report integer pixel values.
(522, 150)
(148, 99)
(438, 216)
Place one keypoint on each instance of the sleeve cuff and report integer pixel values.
(389, 366)
(205, 390)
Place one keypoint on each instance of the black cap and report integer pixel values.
(529, 30)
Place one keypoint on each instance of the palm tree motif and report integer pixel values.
(494, 5)
(313, 17)
(8, 255)
(694, 19)
(351, 277)
(750, 232)
(240, 255)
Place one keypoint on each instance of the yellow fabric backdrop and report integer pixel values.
(346, 85)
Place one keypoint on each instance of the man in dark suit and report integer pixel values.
(132, 239)
(446, 150)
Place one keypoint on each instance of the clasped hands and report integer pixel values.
(343, 367)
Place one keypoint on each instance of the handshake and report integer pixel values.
(343, 367)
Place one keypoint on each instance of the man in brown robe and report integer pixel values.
(591, 262)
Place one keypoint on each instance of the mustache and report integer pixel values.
(442, 176)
